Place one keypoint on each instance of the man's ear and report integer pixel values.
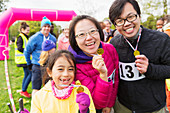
(48, 71)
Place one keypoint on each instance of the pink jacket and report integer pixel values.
(103, 93)
(63, 44)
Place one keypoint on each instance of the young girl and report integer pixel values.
(20, 44)
(93, 70)
(60, 95)
(48, 47)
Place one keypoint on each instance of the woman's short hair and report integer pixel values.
(73, 23)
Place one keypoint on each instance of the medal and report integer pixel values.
(100, 51)
(80, 89)
(136, 52)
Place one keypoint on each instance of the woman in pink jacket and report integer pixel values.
(97, 72)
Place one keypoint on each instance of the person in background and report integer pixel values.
(48, 47)
(102, 25)
(166, 27)
(52, 29)
(159, 24)
(34, 48)
(62, 94)
(97, 71)
(144, 61)
(63, 42)
(20, 44)
(114, 33)
(107, 30)
(61, 34)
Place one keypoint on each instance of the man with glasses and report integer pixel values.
(144, 61)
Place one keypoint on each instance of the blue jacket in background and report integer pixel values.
(34, 47)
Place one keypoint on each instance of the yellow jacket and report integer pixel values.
(45, 102)
(19, 56)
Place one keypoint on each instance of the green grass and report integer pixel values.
(16, 75)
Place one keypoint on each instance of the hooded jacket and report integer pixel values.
(45, 102)
(34, 47)
(103, 93)
(146, 94)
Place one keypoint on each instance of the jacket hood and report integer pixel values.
(47, 86)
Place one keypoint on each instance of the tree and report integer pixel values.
(3, 5)
(154, 7)
(34, 27)
(84, 8)
(94, 8)
(150, 23)
(153, 10)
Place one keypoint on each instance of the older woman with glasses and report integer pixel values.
(97, 62)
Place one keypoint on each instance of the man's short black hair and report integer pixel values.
(117, 8)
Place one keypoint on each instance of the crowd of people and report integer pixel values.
(92, 68)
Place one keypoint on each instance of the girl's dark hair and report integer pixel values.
(73, 23)
(24, 25)
(117, 8)
(53, 58)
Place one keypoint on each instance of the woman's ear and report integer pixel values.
(48, 71)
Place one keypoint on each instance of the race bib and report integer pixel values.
(129, 72)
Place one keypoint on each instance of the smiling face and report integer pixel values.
(90, 43)
(62, 72)
(26, 31)
(129, 29)
(66, 32)
(107, 26)
(159, 24)
(45, 30)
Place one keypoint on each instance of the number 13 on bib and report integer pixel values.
(129, 72)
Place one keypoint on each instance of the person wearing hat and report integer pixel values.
(48, 47)
(34, 48)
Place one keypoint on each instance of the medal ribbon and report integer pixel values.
(137, 41)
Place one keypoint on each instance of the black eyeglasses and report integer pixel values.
(129, 18)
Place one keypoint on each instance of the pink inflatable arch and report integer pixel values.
(14, 14)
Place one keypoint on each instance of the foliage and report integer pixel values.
(34, 27)
(83, 7)
(153, 10)
(149, 7)
(3, 5)
(150, 23)
(16, 75)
